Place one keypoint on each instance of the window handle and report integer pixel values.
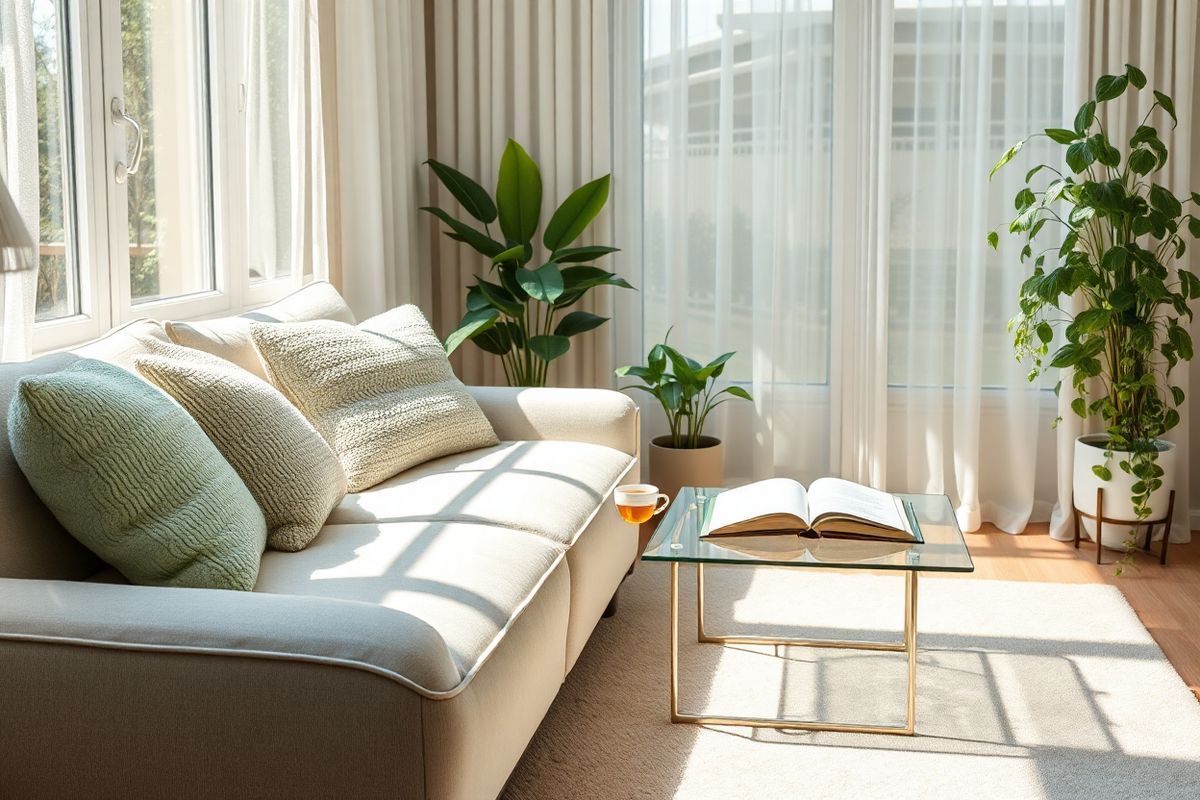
(119, 117)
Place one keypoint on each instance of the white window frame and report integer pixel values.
(93, 77)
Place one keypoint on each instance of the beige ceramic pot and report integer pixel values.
(672, 468)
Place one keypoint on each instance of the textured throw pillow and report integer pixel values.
(382, 394)
(130, 475)
(287, 466)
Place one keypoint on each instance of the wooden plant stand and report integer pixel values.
(1149, 523)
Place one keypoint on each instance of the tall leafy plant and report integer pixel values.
(521, 315)
(684, 387)
(1122, 233)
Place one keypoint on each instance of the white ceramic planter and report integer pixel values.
(1089, 452)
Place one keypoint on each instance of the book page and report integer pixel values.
(760, 499)
(845, 498)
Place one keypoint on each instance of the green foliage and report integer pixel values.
(516, 316)
(684, 387)
(1122, 234)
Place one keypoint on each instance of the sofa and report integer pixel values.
(410, 651)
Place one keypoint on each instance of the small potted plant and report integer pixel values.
(687, 391)
(1122, 238)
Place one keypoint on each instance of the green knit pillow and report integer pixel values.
(132, 476)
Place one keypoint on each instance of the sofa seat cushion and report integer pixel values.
(549, 488)
(468, 582)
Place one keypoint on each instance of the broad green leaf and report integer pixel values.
(1177, 395)
(577, 255)
(500, 298)
(476, 299)
(1062, 135)
(470, 195)
(465, 233)
(1109, 87)
(495, 340)
(1079, 406)
(738, 391)
(1068, 244)
(1114, 259)
(1168, 105)
(1162, 200)
(1008, 156)
(550, 347)
(1091, 320)
(544, 283)
(1102, 472)
(1083, 119)
(1135, 76)
(472, 324)
(993, 240)
(1024, 199)
(671, 394)
(518, 193)
(575, 213)
(1181, 340)
(1044, 332)
(714, 368)
(645, 373)
(518, 252)
(577, 322)
(1079, 157)
(1142, 161)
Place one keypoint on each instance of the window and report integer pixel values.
(58, 260)
(738, 110)
(158, 124)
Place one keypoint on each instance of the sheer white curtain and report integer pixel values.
(19, 169)
(286, 186)
(816, 198)
(379, 123)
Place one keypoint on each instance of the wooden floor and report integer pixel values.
(1167, 599)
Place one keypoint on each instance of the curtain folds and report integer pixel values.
(816, 197)
(1158, 36)
(378, 121)
(19, 169)
(538, 72)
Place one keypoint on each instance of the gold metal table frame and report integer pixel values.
(907, 646)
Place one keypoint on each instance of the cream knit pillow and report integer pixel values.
(288, 468)
(382, 394)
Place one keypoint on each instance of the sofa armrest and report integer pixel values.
(327, 631)
(595, 416)
(139, 691)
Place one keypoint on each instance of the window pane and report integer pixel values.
(57, 283)
(738, 112)
(968, 79)
(165, 84)
(268, 139)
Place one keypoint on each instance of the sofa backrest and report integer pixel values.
(32, 542)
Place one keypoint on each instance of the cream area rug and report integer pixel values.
(1025, 690)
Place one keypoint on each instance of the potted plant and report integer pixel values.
(686, 389)
(1122, 236)
(516, 316)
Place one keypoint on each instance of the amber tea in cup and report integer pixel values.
(638, 502)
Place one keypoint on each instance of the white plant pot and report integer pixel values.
(1118, 502)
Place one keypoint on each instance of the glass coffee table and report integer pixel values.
(677, 541)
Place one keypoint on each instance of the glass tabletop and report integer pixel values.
(686, 520)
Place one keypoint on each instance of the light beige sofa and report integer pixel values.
(410, 651)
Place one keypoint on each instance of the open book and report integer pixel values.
(830, 507)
